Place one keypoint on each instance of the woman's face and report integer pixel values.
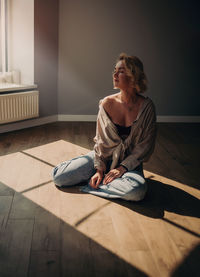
(120, 78)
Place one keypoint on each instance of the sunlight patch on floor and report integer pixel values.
(28, 173)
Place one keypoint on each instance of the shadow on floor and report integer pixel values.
(163, 197)
(191, 262)
(160, 197)
(34, 242)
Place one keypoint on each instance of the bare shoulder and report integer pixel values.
(109, 101)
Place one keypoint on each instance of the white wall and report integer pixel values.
(21, 39)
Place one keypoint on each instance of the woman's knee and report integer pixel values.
(63, 175)
(137, 188)
(58, 175)
(73, 171)
(136, 194)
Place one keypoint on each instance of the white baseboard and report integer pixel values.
(76, 117)
(91, 118)
(178, 119)
(27, 123)
(160, 118)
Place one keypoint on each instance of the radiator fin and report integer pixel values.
(19, 106)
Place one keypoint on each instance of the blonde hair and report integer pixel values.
(134, 71)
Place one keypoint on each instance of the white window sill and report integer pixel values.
(4, 87)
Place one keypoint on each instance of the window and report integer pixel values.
(16, 42)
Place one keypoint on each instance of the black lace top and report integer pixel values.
(123, 131)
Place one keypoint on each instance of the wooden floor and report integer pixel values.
(45, 231)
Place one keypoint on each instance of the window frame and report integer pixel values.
(4, 35)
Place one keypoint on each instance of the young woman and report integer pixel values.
(125, 138)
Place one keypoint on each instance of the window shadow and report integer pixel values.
(36, 242)
(72, 253)
(160, 197)
(163, 197)
(190, 263)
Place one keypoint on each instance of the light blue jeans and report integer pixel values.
(130, 186)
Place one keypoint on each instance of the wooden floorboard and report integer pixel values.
(46, 231)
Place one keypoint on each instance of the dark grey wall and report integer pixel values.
(46, 54)
(164, 34)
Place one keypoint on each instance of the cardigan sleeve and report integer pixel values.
(99, 159)
(105, 140)
(144, 148)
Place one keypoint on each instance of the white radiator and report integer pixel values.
(18, 106)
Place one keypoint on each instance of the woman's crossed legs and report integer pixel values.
(130, 186)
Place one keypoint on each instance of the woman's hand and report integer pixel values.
(96, 179)
(114, 173)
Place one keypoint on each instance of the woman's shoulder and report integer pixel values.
(109, 100)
